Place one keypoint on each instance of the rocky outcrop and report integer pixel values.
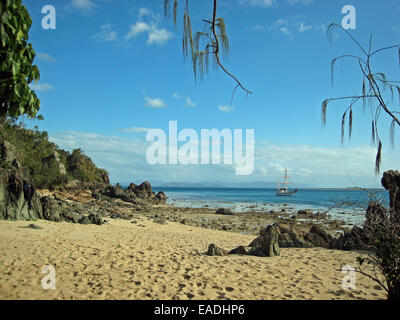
(133, 194)
(58, 210)
(289, 237)
(223, 211)
(267, 244)
(213, 250)
(356, 239)
(13, 204)
(240, 250)
(391, 182)
(318, 237)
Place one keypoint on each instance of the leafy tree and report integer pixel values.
(373, 86)
(212, 41)
(16, 62)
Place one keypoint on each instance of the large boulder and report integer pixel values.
(13, 202)
(391, 182)
(356, 239)
(290, 237)
(318, 237)
(223, 211)
(213, 250)
(267, 244)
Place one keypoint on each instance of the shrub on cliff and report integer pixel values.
(81, 167)
(46, 163)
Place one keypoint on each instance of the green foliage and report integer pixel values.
(16, 62)
(82, 168)
(44, 160)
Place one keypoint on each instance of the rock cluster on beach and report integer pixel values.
(75, 202)
(91, 203)
(133, 194)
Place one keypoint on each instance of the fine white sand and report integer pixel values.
(146, 260)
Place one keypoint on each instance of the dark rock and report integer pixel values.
(356, 239)
(34, 226)
(95, 219)
(289, 237)
(319, 237)
(160, 220)
(304, 212)
(239, 250)
(213, 250)
(267, 244)
(85, 220)
(138, 195)
(13, 204)
(161, 197)
(391, 181)
(224, 211)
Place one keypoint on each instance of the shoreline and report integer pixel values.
(158, 252)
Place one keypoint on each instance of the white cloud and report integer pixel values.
(256, 27)
(293, 2)
(158, 36)
(190, 103)
(176, 96)
(292, 25)
(42, 87)
(303, 27)
(225, 108)
(125, 159)
(143, 12)
(137, 29)
(136, 130)
(270, 3)
(106, 34)
(45, 57)
(155, 35)
(285, 31)
(259, 3)
(155, 102)
(83, 6)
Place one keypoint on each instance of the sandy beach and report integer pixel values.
(147, 260)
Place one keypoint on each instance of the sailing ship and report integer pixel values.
(282, 189)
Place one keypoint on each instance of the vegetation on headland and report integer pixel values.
(47, 164)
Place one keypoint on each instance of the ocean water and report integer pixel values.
(338, 203)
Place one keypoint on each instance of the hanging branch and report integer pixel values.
(211, 42)
(376, 83)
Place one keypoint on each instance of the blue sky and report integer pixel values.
(114, 68)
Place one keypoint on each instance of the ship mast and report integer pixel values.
(285, 182)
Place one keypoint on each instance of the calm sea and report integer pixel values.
(339, 201)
